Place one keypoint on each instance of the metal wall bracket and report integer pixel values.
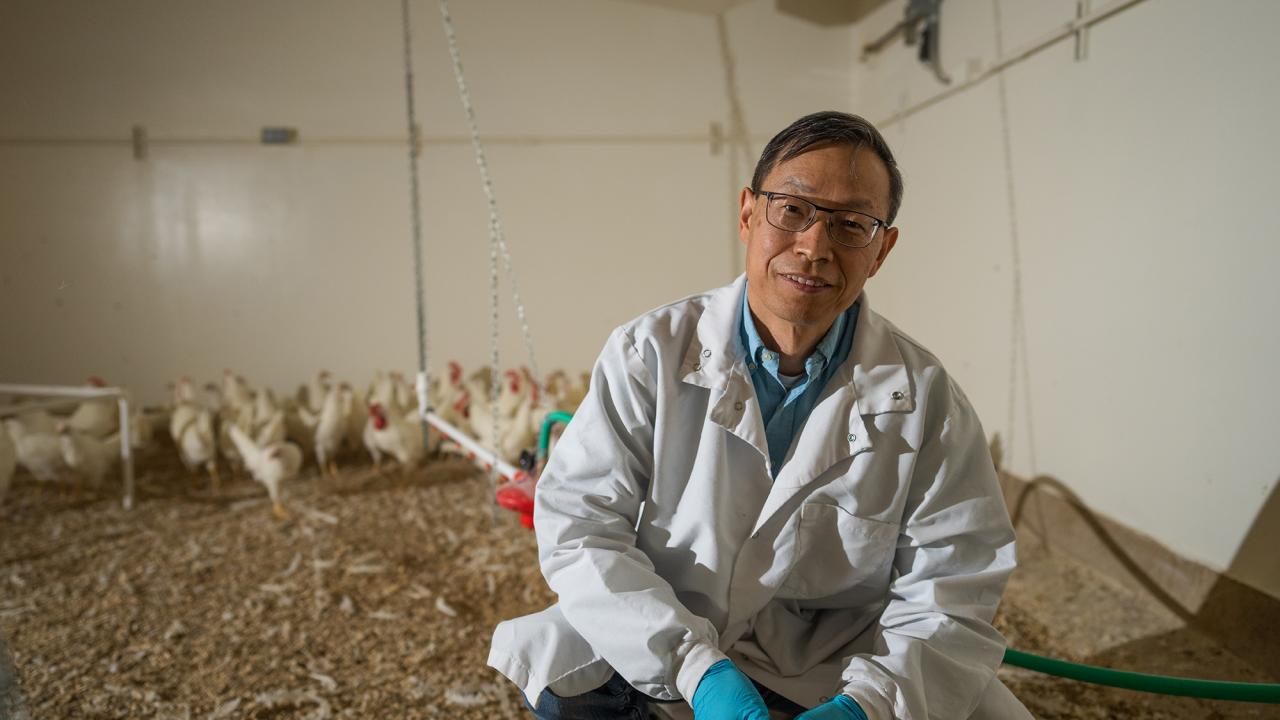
(921, 24)
(1082, 31)
(139, 142)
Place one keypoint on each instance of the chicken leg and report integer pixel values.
(215, 480)
(279, 510)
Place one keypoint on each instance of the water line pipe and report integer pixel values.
(544, 437)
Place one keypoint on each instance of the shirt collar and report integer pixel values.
(756, 349)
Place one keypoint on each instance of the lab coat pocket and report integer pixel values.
(837, 551)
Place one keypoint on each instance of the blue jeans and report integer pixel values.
(617, 699)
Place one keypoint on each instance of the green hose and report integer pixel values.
(1162, 684)
(544, 437)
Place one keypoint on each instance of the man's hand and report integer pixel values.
(840, 707)
(724, 693)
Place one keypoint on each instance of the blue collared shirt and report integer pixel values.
(785, 409)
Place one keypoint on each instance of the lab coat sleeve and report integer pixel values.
(935, 649)
(586, 508)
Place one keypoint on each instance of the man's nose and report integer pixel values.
(814, 242)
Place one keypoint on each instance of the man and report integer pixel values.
(772, 498)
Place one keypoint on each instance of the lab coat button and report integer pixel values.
(737, 405)
(897, 395)
(852, 437)
(706, 353)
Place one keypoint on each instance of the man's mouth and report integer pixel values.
(806, 281)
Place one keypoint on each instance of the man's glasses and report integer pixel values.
(846, 227)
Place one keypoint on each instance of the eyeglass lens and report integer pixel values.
(795, 214)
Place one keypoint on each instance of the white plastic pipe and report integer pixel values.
(506, 470)
(61, 391)
(21, 408)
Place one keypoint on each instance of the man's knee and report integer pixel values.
(614, 699)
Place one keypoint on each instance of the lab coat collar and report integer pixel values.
(716, 360)
(875, 369)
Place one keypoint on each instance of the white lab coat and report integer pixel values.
(872, 565)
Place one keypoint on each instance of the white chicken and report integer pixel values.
(453, 400)
(38, 421)
(399, 436)
(184, 391)
(8, 461)
(355, 411)
(311, 396)
(331, 428)
(404, 398)
(568, 393)
(233, 415)
(98, 417)
(270, 464)
(515, 419)
(270, 432)
(87, 456)
(379, 388)
(264, 407)
(235, 390)
(300, 426)
(37, 451)
(185, 406)
(191, 428)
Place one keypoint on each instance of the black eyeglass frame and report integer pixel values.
(769, 196)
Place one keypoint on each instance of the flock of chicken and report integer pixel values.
(233, 425)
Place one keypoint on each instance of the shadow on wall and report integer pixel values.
(1241, 618)
(1233, 609)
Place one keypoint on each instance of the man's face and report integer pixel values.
(843, 177)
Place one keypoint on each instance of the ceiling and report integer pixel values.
(821, 12)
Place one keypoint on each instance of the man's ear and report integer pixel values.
(746, 206)
(890, 239)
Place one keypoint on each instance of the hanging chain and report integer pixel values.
(1018, 320)
(497, 236)
(423, 381)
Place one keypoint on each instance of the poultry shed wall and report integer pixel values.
(615, 192)
(1142, 177)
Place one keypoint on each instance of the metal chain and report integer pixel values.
(495, 222)
(423, 381)
(1018, 320)
(495, 243)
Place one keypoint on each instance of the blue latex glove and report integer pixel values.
(724, 693)
(840, 707)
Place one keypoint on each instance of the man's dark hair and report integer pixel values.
(826, 128)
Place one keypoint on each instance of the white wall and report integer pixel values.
(1147, 229)
(276, 261)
